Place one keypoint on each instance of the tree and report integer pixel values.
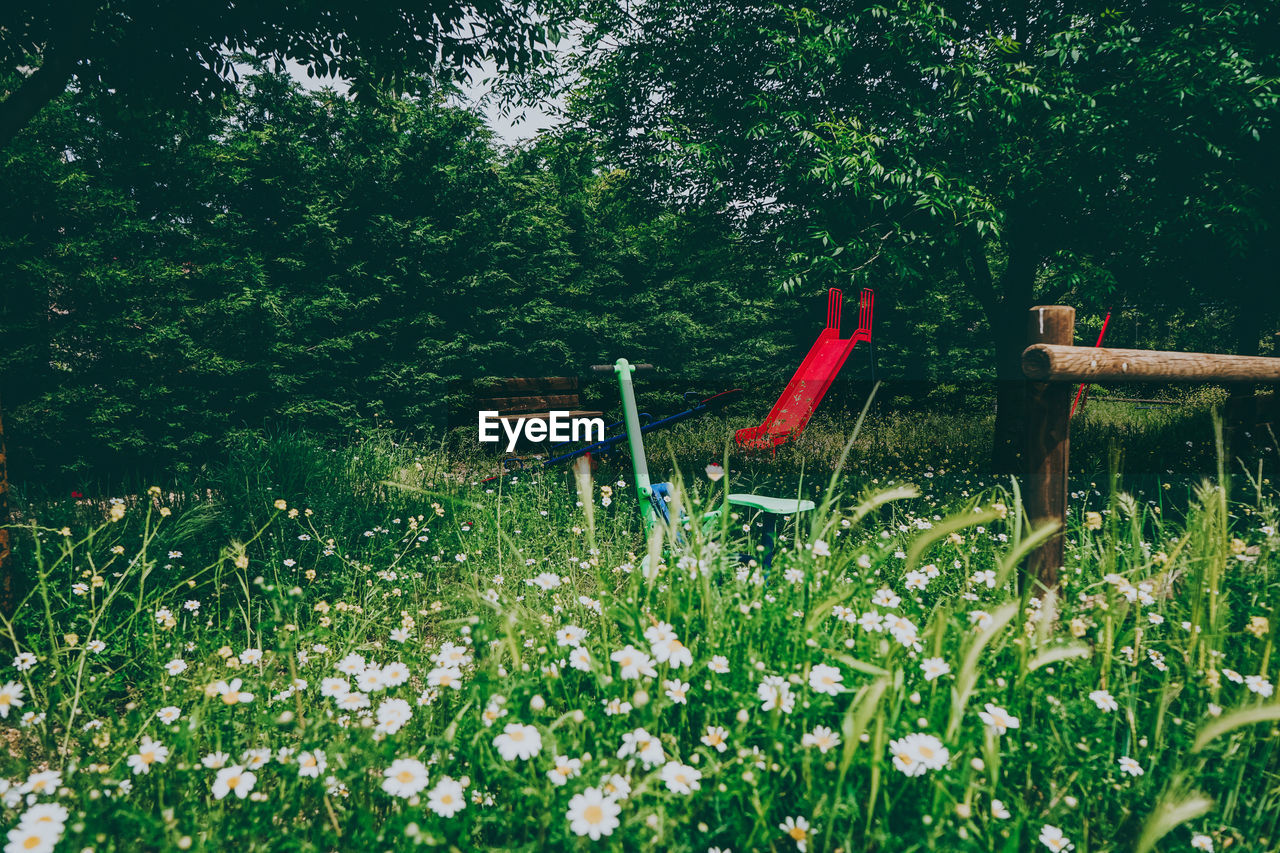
(1008, 144)
(299, 258)
(174, 55)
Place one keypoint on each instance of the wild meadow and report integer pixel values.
(267, 593)
(370, 648)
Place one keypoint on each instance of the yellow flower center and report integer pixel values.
(404, 776)
(797, 833)
(593, 814)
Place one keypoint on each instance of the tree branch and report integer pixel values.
(979, 276)
(51, 78)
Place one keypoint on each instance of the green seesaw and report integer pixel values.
(653, 497)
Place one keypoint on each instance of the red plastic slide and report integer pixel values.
(806, 389)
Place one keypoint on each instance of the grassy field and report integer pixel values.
(366, 648)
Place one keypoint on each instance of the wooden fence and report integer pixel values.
(1051, 364)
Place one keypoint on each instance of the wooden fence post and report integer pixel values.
(584, 485)
(1048, 443)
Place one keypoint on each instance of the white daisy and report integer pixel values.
(680, 778)
(392, 714)
(1104, 700)
(570, 635)
(34, 838)
(447, 798)
(10, 697)
(917, 753)
(518, 742)
(677, 691)
(580, 659)
(797, 829)
(445, 676)
(406, 777)
(233, 779)
(231, 693)
(312, 764)
(934, 668)
(821, 737)
(395, 673)
(149, 752)
(593, 814)
(998, 719)
(633, 662)
(644, 746)
(1128, 765)
(717, 738)
(1052, 837)
(565, 769)
(826, 679)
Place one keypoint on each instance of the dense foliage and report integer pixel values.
(302, 259)
(1040, 152)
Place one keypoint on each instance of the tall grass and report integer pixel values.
(890, 684)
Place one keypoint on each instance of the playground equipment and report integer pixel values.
(1049, 364)
(653, 497)
(789, 416)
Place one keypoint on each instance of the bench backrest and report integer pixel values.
(521, 395)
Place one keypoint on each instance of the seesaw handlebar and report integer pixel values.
(608, 368)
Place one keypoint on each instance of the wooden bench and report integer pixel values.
(529, 397)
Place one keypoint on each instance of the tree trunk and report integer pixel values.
(1241, 409)
(1008, 326)
(1010, 428)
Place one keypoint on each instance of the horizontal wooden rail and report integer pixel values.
(1060, 363)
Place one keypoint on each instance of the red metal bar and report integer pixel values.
(866, 304)
(1080, 390)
